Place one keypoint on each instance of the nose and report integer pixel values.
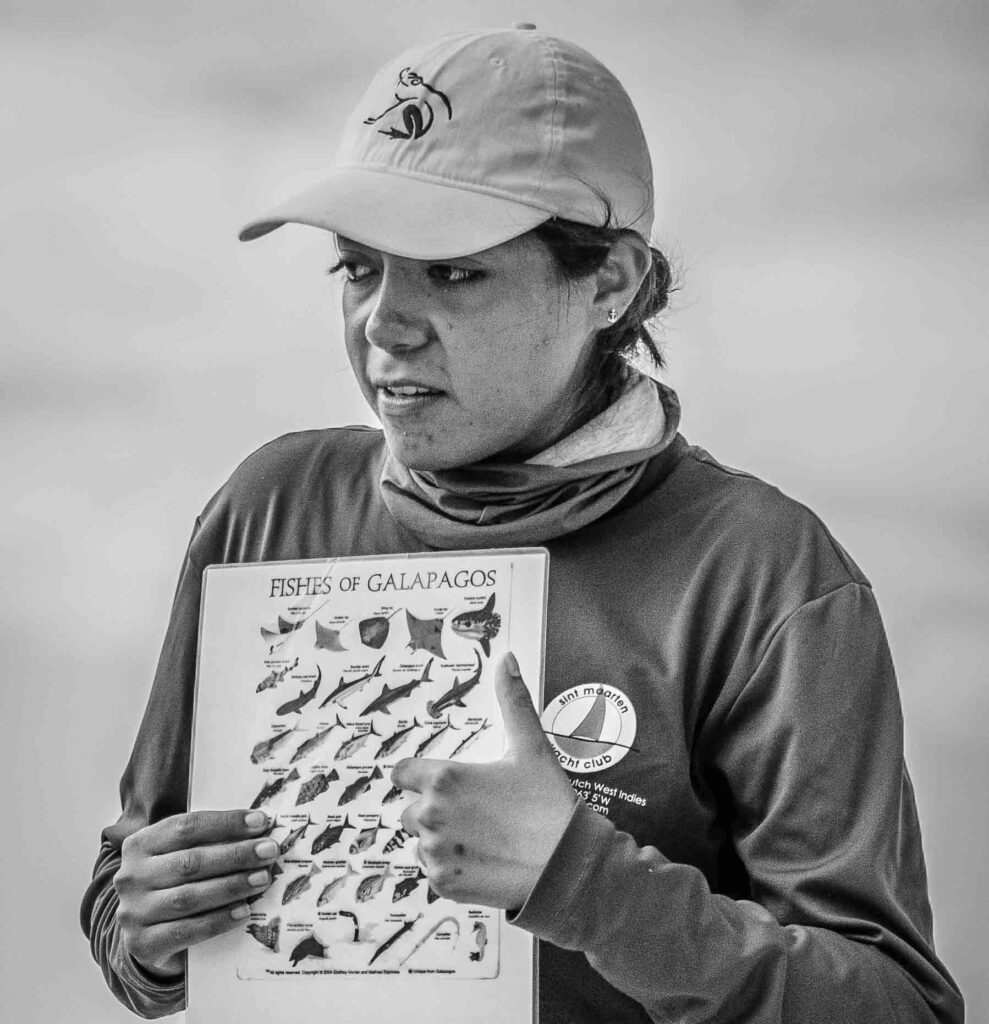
(398, 319)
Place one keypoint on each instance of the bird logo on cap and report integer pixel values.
(412, 105)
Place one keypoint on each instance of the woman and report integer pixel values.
(759, 857)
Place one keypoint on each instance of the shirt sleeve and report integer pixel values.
(838, 926)
(154, 786)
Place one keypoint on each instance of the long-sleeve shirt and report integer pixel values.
(752, 855)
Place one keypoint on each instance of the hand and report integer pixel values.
(486, 831)
(186, 878)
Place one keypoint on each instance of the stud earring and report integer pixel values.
(612, 316)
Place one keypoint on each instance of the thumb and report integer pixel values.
(523, 730)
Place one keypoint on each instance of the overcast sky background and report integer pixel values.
(822, 182)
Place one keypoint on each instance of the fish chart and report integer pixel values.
(315, 679)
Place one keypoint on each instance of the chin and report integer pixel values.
(426, 454)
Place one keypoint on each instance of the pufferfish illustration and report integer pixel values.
(425, 635)
(482, 625)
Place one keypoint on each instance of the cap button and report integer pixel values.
(523, 25)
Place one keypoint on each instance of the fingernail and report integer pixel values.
(255, 820)
(266, 849)
(240, 911)
(257, 878)
(512, 665)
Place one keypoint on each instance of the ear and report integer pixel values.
(621, 274)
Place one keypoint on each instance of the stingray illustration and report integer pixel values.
(426, 635)
(374, 631)
(328, 639)
(274, 638)
(285, 629)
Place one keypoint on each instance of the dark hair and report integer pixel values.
(579, 250)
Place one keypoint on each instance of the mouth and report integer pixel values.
(396, 397)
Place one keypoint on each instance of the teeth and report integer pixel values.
(408, 390)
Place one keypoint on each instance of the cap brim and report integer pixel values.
(402, 215)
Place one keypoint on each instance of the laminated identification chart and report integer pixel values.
(314, 679)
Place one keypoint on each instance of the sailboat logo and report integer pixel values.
(591, 727)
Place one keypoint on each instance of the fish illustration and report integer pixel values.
(393, 794)
(433, 737)
(344, 690)
(305, 696)
(365, 839)
(374, 631)
(407, 926)
(359, 786)
(310, 946)
(311, 788)
(330, 836)
(350, 747)
(407, 886)
(335, 886)
(276, 637)
(370, 885)
(353, 917)
(388, 697)
(329, 639)
(395, 740)
(480, 625)
(456, 693)
(273, 788)
(266, 934)
(425, 635)
(299, 884)
(275, 676)
(263, 750)
(292, 838)
(396, 842)
(462, 745)
(313, 742)
(481, 939)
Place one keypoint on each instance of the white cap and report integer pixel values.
(465, 142)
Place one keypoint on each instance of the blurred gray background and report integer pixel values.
(822, 176)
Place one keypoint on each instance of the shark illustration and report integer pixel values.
(456, 693)
(346, 689)
(388, 697)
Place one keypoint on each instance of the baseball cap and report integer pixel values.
(464, 142)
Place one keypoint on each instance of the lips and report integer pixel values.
(404, 388)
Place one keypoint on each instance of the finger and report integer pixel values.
(409, 819)
(157, 943)
(198, 898)
(199, 828)
(221, 859)
(414, 773)
(523, 730)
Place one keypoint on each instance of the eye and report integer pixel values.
(354, 270)
(444, 273)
